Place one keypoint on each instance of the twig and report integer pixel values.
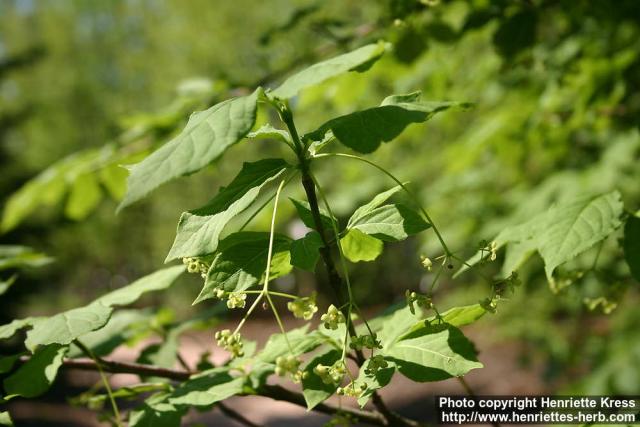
(270, 391)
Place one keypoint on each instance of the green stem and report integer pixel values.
(278, 294)
(404, 187)
(253, 215)
(86, 350)
(265, 288)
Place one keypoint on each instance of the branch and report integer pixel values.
(271, 391)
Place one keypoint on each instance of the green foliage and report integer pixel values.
(206, 137)
(358, 246)
(199, 230)
(304, 251)
(365, 130)
(241, 262)
(562, 232)
(461, 164)
(315, 390)
(433, 353)
(5, 419)
(358, 60)
(35, 376)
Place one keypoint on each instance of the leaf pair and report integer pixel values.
(375, 222)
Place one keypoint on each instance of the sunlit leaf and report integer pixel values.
(206, 137)
(199, 230)
(359, 60)
(434, 353)
(357, 246)
(365, 130)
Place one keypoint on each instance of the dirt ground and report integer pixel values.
(501, 375)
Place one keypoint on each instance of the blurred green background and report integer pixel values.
(86, 86)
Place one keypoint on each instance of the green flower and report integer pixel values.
(237, 300)
(303, 308)
(230, 342)
(332, 318)
(289, 365)
(375, 364)
(365, 341)
(415, 298)
(331, 374)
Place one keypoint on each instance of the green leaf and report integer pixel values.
(575, 227)
(365, 130)
(313, 389)
(84, 196)
(16, 256)
(305, 214)
(207, 388)
(5, 419)
(6, 284)
(397, 324)
(359, 60)
(562, 232)
(36, 376)
(241, 262)
(632, 245)
(206, 137)
(122, 326)
(156, 412)
(269, 132)
(199, 230)
(46, 189)
(462, 316)
(434, 353)
(10, 329)
(114, 179)
(374, 382)
(300, 339)
(65, 327)
(357, 246)
(305, 251)
(377, 201)
(7, 362)
(156, 281)
(393, 222)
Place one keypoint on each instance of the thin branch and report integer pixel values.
(271, 391)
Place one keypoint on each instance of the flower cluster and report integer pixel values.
(365, 341)
(351, 390)
(195, 265)
(303, 308)
(375, 364)
(332, 318)
(420, 300)
(230, 342)
(331, 374)
(289, 365)
(237, 300)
